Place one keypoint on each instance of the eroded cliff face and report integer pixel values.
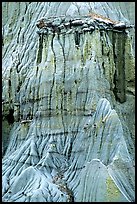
(62, 76)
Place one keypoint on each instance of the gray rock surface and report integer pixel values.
(68, 101)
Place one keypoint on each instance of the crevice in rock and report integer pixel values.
(10, 116)
(63, 187)
(119, 59)
(40, 48)
(77, 39)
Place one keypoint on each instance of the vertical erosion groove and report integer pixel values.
(63, 99)
(40, 48)
(119, 59)
(54, 72)
(77, 38)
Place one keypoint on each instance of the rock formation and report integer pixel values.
(68, 102)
